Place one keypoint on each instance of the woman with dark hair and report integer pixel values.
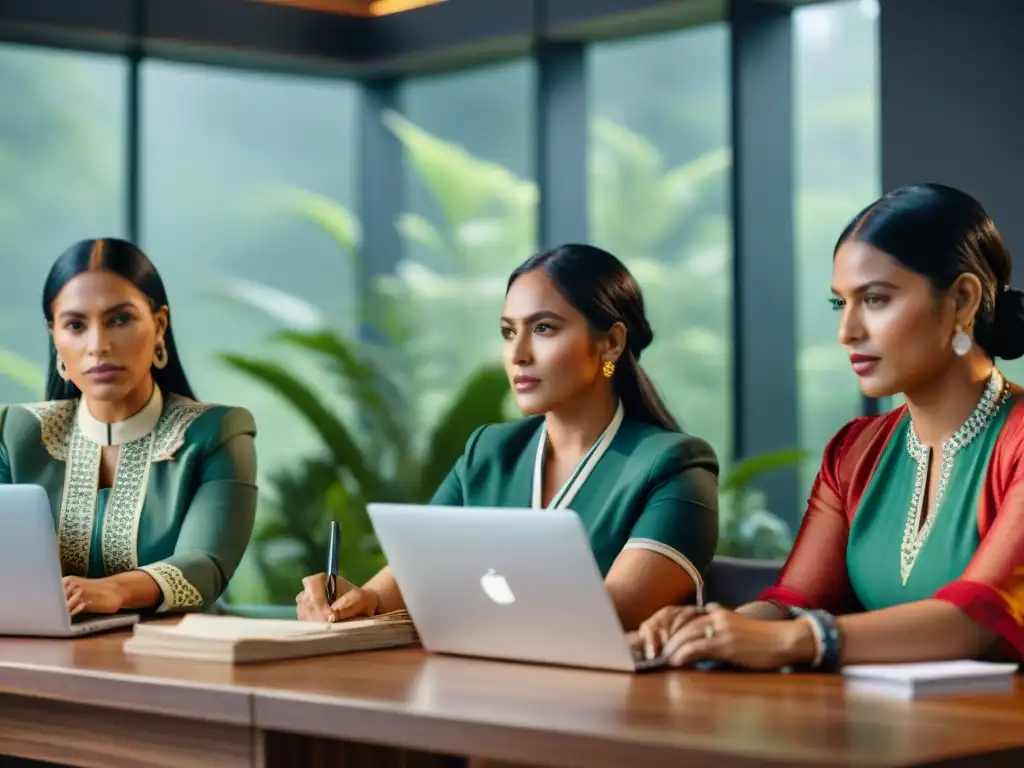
(912, 546)
(153, 493)
(598, 439)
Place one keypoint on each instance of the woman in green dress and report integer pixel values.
(597, 439)
(153, 493)
(912, 546)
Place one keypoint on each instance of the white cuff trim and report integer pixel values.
(677, 557)
(178, 592)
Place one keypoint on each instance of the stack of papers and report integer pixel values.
(927, 679)
(205, 637)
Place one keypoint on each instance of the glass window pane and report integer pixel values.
(659, 160)
(62, 165)
(238, 168)
(838, 170)
(470, 220)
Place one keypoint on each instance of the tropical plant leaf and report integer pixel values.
(480, 401)
(687, 183)
(463, 185)
(746, 471)
(643, 206)
(286, 308)
(360, 556)
(747, 529)
(329, 215)
(22, 371)
(633, 150)
(765, 536)
(272, 530)
(300, 493)
(281, 574)
(387, 315)
(633, 212)
(700, 170)
(307, 497)
(369, 385)
(417, 229)
(336, 437)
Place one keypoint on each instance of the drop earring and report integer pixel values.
(62, 368)
(961, 343)
(160, 356)
(608, 369)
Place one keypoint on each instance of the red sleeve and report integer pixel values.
(815, 574)
(991, 590)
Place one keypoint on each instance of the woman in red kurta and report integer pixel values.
(912, 546)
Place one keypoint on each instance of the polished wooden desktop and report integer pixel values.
(84, 702)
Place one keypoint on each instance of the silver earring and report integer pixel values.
(961, 343)
(62, 368)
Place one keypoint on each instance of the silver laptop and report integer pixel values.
(32, 601)
(516, 584)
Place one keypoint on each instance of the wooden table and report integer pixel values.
(84, 702)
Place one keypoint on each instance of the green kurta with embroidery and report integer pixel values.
(181, 507)
(650, 489)
(885, 537)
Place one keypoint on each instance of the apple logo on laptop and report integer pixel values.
(496, 587)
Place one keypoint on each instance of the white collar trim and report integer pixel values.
(121, 432)
(568, 492)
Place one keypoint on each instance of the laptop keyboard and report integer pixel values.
(91, 621)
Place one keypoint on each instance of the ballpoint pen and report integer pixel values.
(332, 561)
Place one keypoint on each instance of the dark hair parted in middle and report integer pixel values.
(601, 289)
(128, 261)
(941, 233)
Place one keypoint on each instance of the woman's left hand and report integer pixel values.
(686, 634)
(91, 596)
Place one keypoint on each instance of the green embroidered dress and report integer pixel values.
(892, 558)
(182, 504)
(863, 545)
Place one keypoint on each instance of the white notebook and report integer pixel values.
(926, 679)
(203, 637)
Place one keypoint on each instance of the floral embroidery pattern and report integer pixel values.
(178, 591)
(124, 507)
(64, 442)
(78, 503)
(179, 413)
(56, 418)
(996, 392)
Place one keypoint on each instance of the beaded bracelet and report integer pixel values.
(826, 638)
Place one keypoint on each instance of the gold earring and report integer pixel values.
(160, 356)
(608, 369)
(62, 368)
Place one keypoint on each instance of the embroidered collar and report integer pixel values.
(915, 533)
(121, 432)
(572, 486)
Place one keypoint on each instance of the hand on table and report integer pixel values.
(311, 602)
(91, 596)
(686, 634)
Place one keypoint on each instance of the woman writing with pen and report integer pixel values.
(597, 439)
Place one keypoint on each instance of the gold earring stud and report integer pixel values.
(608, 369)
